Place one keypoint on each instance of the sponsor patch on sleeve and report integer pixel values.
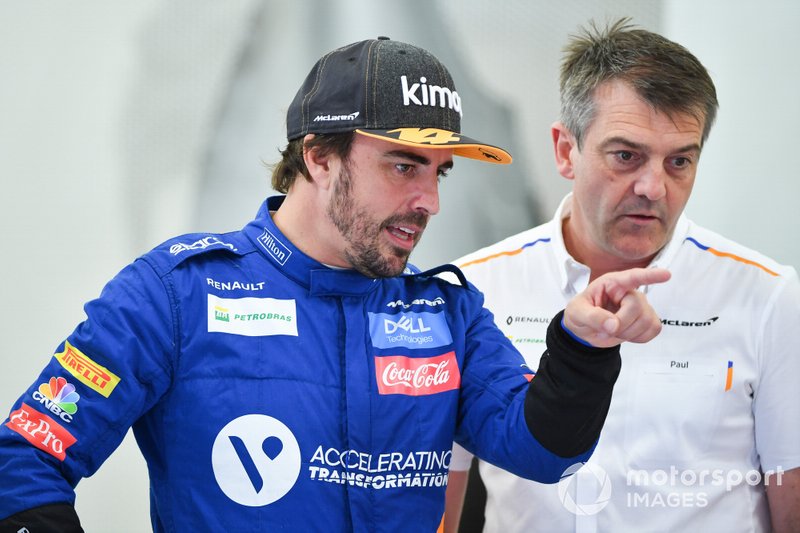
(41, 431)
(417, 376)
(252, 317)
(96, 377)
(59, 397)
(409, 330)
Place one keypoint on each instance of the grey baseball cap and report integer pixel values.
(389, 90)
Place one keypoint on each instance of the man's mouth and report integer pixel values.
(402, 232)
(404, 237)
(641, 218)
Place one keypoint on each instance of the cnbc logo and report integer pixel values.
(221, 314)
(59, 397)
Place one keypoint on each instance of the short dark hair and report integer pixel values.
(665, 74)
(292, 164)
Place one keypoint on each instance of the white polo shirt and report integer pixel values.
(697, 415)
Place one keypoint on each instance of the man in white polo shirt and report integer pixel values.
(703, 431)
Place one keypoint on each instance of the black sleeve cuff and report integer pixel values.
(54, 518)
(568, 399)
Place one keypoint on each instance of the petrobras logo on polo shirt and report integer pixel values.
(417, 376)
(409, 330)
(274, 247)
(420, 93)
(252, 317)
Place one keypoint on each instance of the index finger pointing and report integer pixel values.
(636, 277)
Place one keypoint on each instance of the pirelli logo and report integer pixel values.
(94, 376)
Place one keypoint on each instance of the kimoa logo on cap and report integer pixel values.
(429, 95)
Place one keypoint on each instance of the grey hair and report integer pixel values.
(663, 73)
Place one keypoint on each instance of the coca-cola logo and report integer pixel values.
(417, 376)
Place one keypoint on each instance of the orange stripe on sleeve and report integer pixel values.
(742, 260)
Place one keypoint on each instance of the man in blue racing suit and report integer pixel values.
(295, 375)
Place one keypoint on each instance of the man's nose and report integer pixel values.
(651, 182)
(427, 198)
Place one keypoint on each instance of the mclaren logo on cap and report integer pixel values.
(328, 118)
(430, 95)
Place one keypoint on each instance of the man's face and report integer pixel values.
(381, 201)
(632, 179)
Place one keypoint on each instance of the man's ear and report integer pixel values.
(563, 144)
(318, 165)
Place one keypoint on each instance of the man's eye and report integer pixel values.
(625, 156)
(403, 168)
(681, 162)
(443, 173)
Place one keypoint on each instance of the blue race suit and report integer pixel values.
(267, 391)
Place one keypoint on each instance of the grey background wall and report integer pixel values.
(123, 123)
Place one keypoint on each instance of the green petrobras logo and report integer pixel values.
(254, 317)
(221, 314)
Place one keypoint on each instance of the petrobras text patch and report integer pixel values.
(409, 330)
(252, 317)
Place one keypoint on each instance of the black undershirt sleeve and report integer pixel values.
(54, 518)
(568, 399)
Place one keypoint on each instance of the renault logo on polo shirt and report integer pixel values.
(409, 330)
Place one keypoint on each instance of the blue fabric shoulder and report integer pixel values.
(168, 255)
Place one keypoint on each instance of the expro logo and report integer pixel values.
(256, 460)
(572, 498)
